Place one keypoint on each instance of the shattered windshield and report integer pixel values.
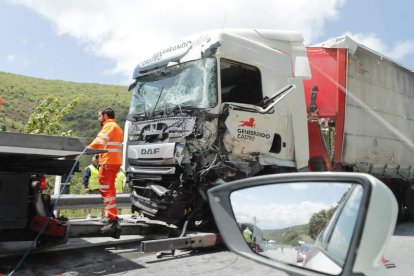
(190, 84)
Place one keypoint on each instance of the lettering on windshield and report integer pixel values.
(157, 56)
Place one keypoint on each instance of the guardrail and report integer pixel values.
(87, 201)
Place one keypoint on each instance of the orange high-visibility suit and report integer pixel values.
(109, 138)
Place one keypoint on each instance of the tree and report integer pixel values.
(319, 220)
(47, 117)
(316, 223)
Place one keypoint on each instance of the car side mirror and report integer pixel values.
(333, 223)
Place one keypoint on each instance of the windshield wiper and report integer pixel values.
(155, 106)
(134, 117)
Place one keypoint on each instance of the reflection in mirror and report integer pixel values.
(305, 224)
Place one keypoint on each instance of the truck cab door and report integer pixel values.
(249, 132)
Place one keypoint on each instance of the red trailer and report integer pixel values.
(360, 114)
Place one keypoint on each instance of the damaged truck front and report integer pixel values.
(220, 106)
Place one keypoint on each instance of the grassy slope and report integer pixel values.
(22, 94)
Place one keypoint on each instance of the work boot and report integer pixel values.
(112, 226)
(117, 230)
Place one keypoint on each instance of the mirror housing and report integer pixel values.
(374, 226)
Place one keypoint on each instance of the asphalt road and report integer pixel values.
(127, 259)
(401, 250)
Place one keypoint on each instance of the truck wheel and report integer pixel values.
(402, 212)
(399, 189)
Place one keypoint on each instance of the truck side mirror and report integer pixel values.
(330, 218)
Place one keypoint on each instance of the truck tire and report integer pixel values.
(399, 189)
(402, 211)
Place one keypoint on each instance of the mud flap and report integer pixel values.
(58, 230)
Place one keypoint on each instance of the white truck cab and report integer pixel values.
(220, 105)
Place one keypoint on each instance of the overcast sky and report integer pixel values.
(101, 41)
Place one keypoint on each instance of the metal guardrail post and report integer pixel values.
(56, 191)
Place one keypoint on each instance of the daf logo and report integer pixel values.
(150, 151)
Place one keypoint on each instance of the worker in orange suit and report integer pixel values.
(110, 139)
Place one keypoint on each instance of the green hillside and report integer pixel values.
(290, 235)
(22, 94)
